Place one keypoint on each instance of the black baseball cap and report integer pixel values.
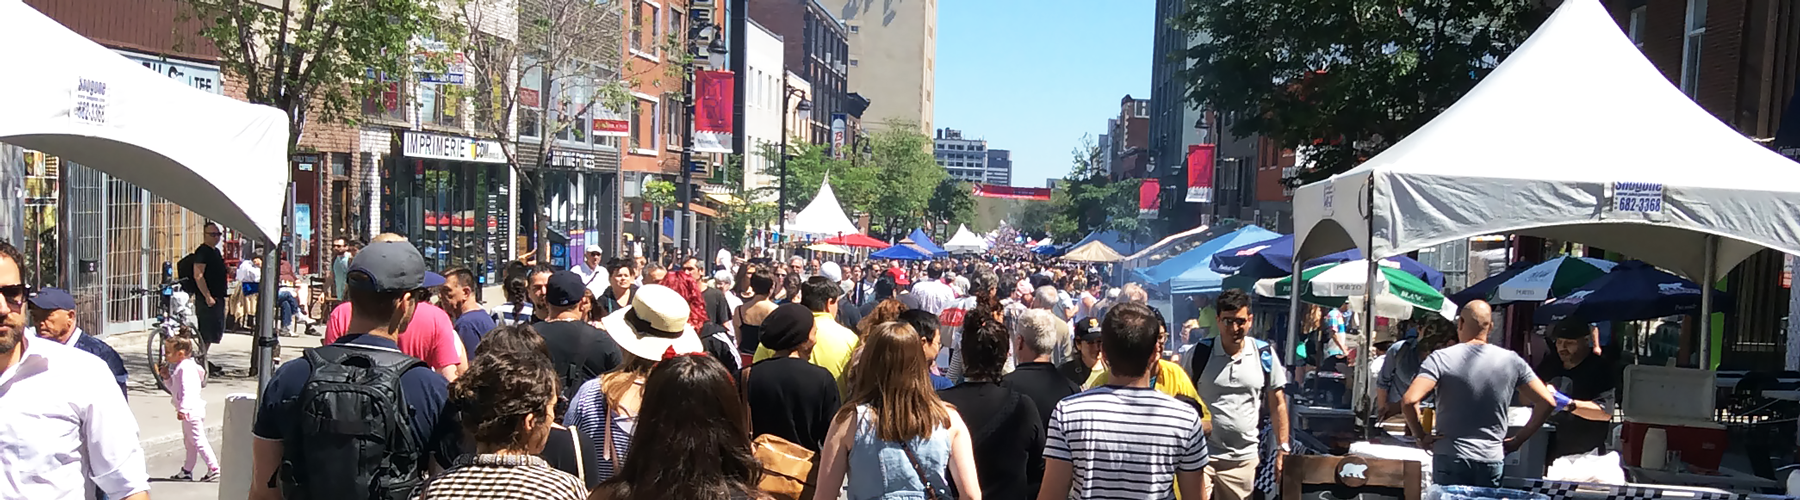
(1087, 330)
(564, 289)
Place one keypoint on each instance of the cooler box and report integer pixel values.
(1678, 400)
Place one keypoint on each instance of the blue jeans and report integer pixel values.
(1450, 470)
(289, 306)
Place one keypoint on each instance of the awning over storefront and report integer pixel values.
(221, 158)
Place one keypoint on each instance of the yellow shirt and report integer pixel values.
(1171, 379)
(831, 349)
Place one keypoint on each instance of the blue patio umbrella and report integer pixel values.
(1632, 291)
(902, 251)
(1485, 288)
(924, 242)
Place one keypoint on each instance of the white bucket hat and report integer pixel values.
(655, 324)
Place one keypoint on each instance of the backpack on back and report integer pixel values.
(351, 436)
(1202, 353)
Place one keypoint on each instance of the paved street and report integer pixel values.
(158, 429)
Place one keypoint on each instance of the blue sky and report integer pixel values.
(1033, 76)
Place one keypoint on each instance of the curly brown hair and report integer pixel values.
(500, 392)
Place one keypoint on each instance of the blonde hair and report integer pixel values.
(388, 238)
(179, 344)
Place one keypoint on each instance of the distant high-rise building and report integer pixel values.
(964, 159)
(893, 47)
(999, 167)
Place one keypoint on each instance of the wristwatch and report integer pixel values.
(1286, 449)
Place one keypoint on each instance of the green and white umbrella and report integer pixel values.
(1553, 278)
(1399, 294)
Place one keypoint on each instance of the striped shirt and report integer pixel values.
(590, 414)
(1125, 443)
(504, 316)
(502, 477)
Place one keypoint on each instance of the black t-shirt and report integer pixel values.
(1044, 383)
(849, 316)
(610, 302)
(718, 310)
(213, 271)
(716, 340)
(792, 399)
(1007, 435)
(576, 342)
(1075, 370)
(560, 451)
(1592, 380)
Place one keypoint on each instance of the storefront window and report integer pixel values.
(531, 112)
(455, 212)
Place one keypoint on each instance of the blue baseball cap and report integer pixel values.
(53, 299)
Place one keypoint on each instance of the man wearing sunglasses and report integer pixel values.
(1240, 379)
(209, 280)
(67, 424)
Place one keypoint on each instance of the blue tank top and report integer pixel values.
(880, 470)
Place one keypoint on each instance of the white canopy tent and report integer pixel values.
(221, 158)
(1575, 136)
(965, 241)
(823, 216)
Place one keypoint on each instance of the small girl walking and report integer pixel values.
(190, 408)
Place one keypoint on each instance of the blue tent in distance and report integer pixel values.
(1112, 239)
(924, 242)
(1275, 257)
(1200, 257)
(902, 252)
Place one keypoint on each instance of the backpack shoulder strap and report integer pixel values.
(1197, 359)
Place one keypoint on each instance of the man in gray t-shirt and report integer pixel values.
(1475, 383)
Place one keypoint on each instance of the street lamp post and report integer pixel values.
(781, 196)
(701, 28)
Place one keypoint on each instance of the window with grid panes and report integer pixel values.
(1691, 46)
(637, 25)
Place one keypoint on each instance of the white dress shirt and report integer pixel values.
(247, 272)
(934, 296)
(63, 423)
(596, 278)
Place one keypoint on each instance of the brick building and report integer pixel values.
(1739, 59)
(817, 51)
(1129, 139)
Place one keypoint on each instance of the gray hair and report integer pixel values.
(1037, 328)
(1134, 292)
(1044, 298)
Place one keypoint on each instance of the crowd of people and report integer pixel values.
(757, 378)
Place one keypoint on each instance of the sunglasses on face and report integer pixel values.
(15, 294)
(213, 233)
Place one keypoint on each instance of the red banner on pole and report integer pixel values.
(1200, 173)
(712, 111)
(1012, 193)
(1147, 198)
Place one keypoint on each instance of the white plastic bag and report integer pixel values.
(1587, 468)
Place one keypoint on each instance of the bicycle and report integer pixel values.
(172, 319)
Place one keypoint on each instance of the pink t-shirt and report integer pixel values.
(430, 336)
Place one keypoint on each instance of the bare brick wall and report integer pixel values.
(149, 26)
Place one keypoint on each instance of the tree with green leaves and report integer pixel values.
(953, 201)
(336, 54)
(906, 175)
(1090, 200)
(747, 211)
(807, 167)
(1346, 78)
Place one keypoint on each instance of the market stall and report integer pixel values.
(1695, 205)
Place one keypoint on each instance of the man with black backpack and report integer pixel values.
(1236, 375)
(357, 419)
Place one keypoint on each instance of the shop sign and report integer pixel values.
(839, 129)
(88, 105)
(456, 64)
(453, 148)
(1644, 198)
(570, 159)
(610, 124)
(200, 76)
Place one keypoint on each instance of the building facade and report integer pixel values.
(965, 159)
(1130, 136)
(817, 51)
(1175, 123)
(892, 58)
(764, 91)
(999, 167)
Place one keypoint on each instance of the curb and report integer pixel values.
(126, 340)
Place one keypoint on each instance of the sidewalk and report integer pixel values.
(160, 432)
